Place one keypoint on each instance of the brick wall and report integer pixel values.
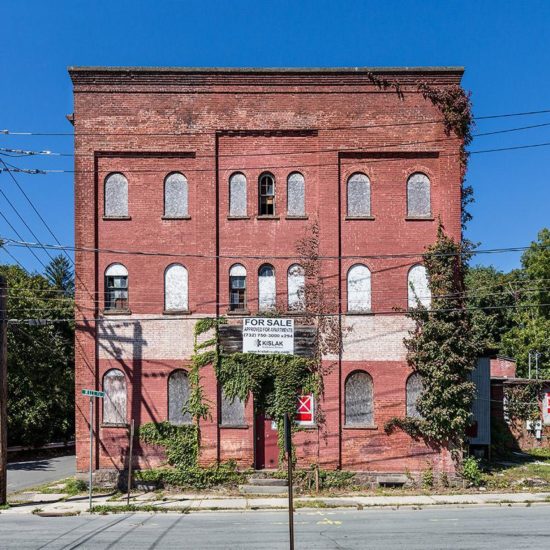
(207, 125)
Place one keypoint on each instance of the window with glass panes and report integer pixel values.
(267, 195)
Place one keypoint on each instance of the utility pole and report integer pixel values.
(3, 390)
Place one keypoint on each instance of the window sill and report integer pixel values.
(369, 312)
(268, 218)
(176, 312)
(360, 427)
(238, 312)
(109, 312)
(238, 217)
(368, 218)
(175, 217)
(296, 217)
(109, 425)
(304, 427)
(117, 218)
(233, 426)
(419, 219)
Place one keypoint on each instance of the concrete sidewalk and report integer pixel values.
(60, 504)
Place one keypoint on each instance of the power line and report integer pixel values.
(295, 166)
(23, 152)
(13, 242)
(130, 318)
(7, 132)
(19, 235)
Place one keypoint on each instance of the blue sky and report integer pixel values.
(503, 45)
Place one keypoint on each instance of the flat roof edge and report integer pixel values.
(266, 70)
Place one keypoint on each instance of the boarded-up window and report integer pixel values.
(237, 195)
(175, 288)
(358, 195)
(178, 398)
(296, 288)
(418, 196)
(232, 413)
(414, 389)
(419, 288)
(267, 296)
(175, 196)
(359, 400)
(116, 196)
(114, 402)
(359, 288)
(296, 195)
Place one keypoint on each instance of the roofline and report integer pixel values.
(268, 70)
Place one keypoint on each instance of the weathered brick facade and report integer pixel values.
(208, 124)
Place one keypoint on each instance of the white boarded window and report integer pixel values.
(296, 189)
(176, 196)
(116, 196)
(176, 286)
(237, 287)
(237, 195)
(267, 293)
(359, 400)
(418, 196)
(178, 398)
(358, 195)
(419, 288)
(414, 389)
(232, 411)
(359, 288)
(114, 402)
(296, 281)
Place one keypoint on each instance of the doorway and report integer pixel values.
(267, 448)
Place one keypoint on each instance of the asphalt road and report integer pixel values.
(22, 475)
(454, 528)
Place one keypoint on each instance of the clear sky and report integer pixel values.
(503, 45)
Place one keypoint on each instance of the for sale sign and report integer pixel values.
(305, 413)
(265, 335)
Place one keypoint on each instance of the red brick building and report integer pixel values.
(212, 175)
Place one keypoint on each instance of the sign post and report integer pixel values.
(288, 449)
(92, 394)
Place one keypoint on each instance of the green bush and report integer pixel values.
(471, 471)
(428, 478)
(75, 486)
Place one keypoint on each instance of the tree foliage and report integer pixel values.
(443, 349)
(60, 275)
(40, 360)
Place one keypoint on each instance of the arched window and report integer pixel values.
(178, 398)
(296, 282)
(237, 287)
(266, 195)
(359, 288)
(176, 196)
(232, 411)
(414, 389)
(419, 288)
(359, 400)
(267, 293)
(116, 196)
(176, 288)
(358, 196)
(296, 192)
(418, 196)
(116, 288)
(237, 195)
(114, 402)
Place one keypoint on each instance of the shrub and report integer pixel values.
(471, 471)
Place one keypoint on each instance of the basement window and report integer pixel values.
(178, 398)
(359, 400)
(115, 400)
(267, 195)
(232, 411)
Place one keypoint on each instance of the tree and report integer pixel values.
(442, 348)
(60, 274)
(40, 360)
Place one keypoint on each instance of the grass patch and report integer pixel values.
(4, 506)
(111, 509)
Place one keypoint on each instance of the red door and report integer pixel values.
(267, 449)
